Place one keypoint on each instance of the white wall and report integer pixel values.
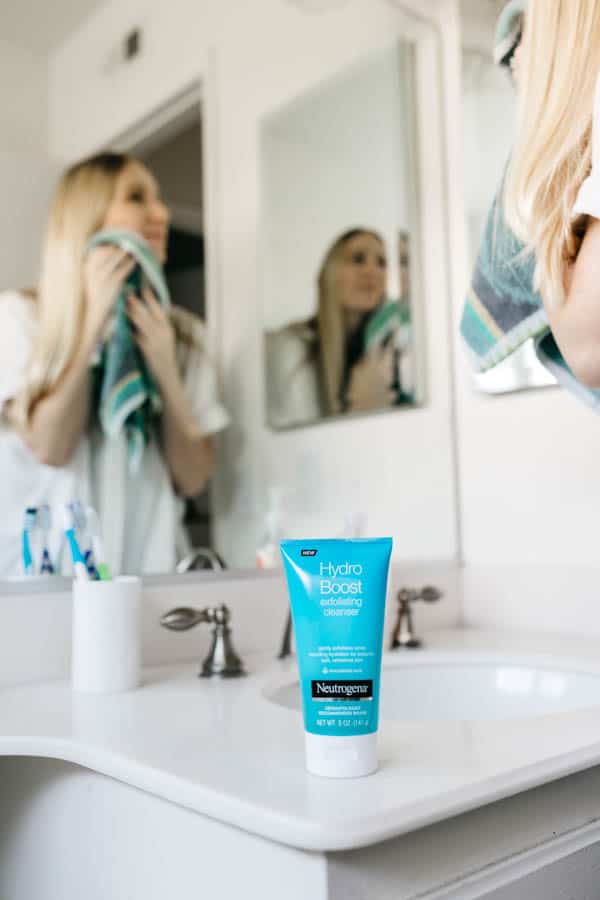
(25, 170)
(253, 58)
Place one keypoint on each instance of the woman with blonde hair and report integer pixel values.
(538, 274)
(552, 197)
(53, 449)
(318, 367)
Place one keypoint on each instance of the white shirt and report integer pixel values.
(292, 376)
(140, 514)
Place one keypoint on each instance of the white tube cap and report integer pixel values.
(341, 757)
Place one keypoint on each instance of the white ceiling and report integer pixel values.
(40, 26)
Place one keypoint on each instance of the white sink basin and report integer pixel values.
(470, 691)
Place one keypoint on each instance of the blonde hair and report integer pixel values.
(79, 207)
(552, 155)
(330, 324)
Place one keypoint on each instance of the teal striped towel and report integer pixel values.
(391, 315)
(127, 397)
(509, 28)
(502, 310)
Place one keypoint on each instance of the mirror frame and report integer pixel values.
(406, 48)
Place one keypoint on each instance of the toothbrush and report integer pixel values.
(97, 544)
(82, 529)
(28, 526)
(44, 521)
(79, 565)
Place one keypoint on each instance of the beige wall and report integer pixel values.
(26, 171)
(23, 100)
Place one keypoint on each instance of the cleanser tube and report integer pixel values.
(337, 594)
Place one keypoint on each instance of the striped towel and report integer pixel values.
(502, 309)
(509, 29)
(126, 395)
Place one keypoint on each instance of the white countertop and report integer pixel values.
(219, 748)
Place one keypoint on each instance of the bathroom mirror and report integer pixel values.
(339, 261)
(266, 158)
(489, 109)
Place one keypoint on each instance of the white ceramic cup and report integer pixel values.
(106, 635)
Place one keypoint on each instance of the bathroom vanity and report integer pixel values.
(488, 786)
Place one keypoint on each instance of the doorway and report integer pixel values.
(170, 144)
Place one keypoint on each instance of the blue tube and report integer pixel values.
(337, 594)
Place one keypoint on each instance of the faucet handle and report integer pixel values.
(183, 618)
(429, 594)
(403, 634)
(406, 595)
(221, 659)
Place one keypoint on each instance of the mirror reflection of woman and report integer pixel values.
(52, 449)
(318, 367)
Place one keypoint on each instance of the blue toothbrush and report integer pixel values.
(79, 565)
(82, 529)
(28, 526)
(44, 521)
(93, 524)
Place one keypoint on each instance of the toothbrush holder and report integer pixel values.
(106, 635)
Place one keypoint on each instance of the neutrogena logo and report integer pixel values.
(342, 690)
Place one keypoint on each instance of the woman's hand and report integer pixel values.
(190, 454)
(154, 335)
(370, 382)
(104, 271)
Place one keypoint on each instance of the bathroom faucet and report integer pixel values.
(286, 642)
(207, 554)
(221, 659)
(403, 634)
